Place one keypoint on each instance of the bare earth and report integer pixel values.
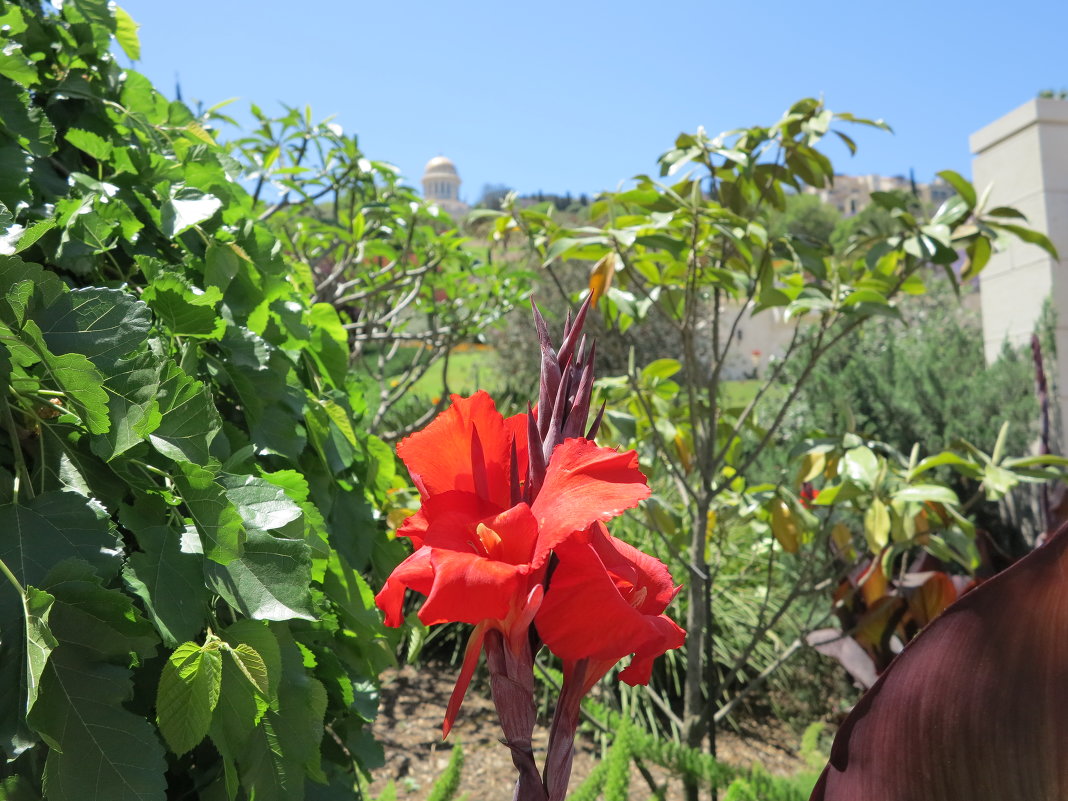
(409, 728)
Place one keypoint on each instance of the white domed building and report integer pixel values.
(441, 186)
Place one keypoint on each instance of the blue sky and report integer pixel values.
(579, 96)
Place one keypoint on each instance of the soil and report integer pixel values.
(409, 729)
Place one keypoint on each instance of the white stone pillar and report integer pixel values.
(1023, 159)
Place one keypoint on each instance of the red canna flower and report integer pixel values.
(481, 555)
(511, 535)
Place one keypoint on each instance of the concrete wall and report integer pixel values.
(1022, 160)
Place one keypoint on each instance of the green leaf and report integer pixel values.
(270, 581)
(1030, 236)
(979, 251)
(927, 492)
(52, 527)
(252, 667)
(75, 376)
(258, 636)
(218, 522)
(98, 750)
(188, 693)
(39, 640)
(661, 368)
(35, 232)
(183, 310)
(185, 208)
(221, 264)
(189, 419)
(101, 324)
(860, 465)
(24, 121)
(940, 459)
(261, 504)
(1006, 212)
(877, 525)
(140, 96)
(15, 66)
(329, 342)
(271, 396)
(961, 185)
(126, 34)
(132, 387)
(169, 582)
(89, 142)
(997, 481)
(286, 747)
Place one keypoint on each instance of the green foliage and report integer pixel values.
(398, 271)
(805, 217)
(924, 380)
(188, 495)
(448, 782)
(759, 785)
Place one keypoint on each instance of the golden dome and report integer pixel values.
(440, 165)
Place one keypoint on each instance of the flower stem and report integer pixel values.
(512, 682)
(562, 733)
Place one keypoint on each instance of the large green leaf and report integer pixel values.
(261, 504)
(271, 397)
(75, 376)
(25, 122)
(52, 527)
(188, 693)
(126, 34)
(132, 386)
(169, 582)
(269, 581)
(99, 750)
(218, 522)
(102, 621)
(189, 421)
(101, 324)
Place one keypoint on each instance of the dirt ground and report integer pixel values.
(409, 728)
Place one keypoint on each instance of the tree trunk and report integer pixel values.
(696, 715)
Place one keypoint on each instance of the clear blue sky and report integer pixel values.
(579, 96)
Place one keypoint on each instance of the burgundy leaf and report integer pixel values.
(976, 706)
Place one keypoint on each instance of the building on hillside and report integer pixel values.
(851, 193)
(441, 186)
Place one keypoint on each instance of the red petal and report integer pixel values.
(414, 573)
(467, 670)
(584, 483)
(973, 708)
(455, 517)
(449, 515)
(668, 635)
(440, 457)
(635, 568)
(469, 588)
(583, 615)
